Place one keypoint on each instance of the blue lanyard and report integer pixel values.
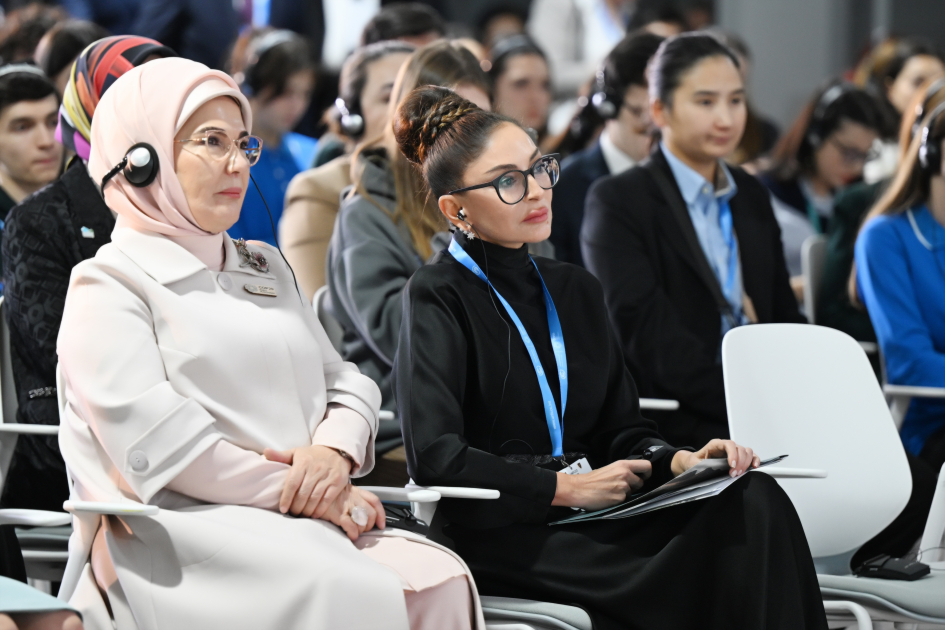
(728, 233)
(555, 422)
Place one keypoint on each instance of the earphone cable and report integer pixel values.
(275, 238)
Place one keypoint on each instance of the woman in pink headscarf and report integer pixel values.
(195, 378)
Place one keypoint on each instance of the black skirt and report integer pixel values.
(739, 560)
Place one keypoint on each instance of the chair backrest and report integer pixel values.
(322, 305)
(813, 253)
(810, 392)
(8, 400)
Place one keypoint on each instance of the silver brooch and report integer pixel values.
(251, 259)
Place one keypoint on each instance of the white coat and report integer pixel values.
(160, 358)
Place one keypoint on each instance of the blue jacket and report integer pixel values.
(902, 283)
(577, 174)
(201, 30)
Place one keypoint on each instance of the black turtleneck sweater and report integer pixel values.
(457, 344)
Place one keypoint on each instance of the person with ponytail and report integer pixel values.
(899, 276)
(493, 343)
(385, 225)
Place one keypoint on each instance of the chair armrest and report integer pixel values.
(913, 391)
(448, 492)
(111, 509)
(794, 473)
(34, 518)
(29, 429)
(934, 534)
(411, 495)
(385, 415)
(659, 404)
(869, 347)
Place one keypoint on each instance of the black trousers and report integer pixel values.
(737, 560)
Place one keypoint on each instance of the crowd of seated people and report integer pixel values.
(552, 215)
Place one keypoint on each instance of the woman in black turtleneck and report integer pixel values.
(473, 414)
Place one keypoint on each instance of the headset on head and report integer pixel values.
(352, 123)
(923, 105)
(930, 148)
(266, 43)
(815, 133)
(605, 100)
(139, 166)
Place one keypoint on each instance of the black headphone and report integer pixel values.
(605, 100)
(352, 123)
(930, 150)
(930, 92)
(139, 166)
(815, 129)
(248, 81)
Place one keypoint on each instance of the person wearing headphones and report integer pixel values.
(508, 375)
(899, 276)
(620, 97)
(314, 195)
(685, 246)
(45, 237)
(197, 379)
(276, 71)
(823, 153)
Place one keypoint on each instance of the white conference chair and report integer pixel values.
(810, 392)
(813, 253)
(331, 325)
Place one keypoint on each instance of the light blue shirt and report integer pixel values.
(702, 200)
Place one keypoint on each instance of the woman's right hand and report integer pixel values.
(603, 487)
(352, 496)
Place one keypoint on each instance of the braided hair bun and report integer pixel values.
(442, 133)
(424, 117)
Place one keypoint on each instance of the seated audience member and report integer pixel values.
(822, 153)
(478, 394)
(521, 84)
(893, 72)
(201, 30)
(620, 97)
(900, 278)
(158, 331)
(61, 45)
(576, 36)
(277, 73)
(384, 228)
(834, 307)
(685, 246)
(30, 156)
(314, 195)
(660, 17)
(414, 23)
(499, 23)
(45, 237)
(24, 27)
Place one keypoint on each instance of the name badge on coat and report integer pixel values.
(258, 289)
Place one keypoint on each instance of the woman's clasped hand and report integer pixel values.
(613, 483)
(318, 486)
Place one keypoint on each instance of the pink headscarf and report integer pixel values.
(150, 104)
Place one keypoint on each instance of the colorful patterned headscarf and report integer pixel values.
(93, 72)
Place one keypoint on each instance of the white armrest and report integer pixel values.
(112, 509)
(914, 391)
(934, 534)
(795, 473)
(29, 429)
(659, 404)
(34, 518)
(448, 492)
(863, 621)
(385, 415)
(412, 495)
(869, 347)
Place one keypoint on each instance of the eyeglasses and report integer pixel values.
(511, 186)
(852, 156)
(218, 145)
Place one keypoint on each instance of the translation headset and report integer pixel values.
(930, 149)
(352, 123)
(816, 132)
(248, 82)
(22, 68)
(605, 100)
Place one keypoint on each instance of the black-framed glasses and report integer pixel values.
(512, 186)
(853, 156)
(218, 145)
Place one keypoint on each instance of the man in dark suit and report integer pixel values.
(621, 98)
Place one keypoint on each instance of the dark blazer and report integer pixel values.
(44, 238)
(578, 172)
(659, 288)
(201, 30)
